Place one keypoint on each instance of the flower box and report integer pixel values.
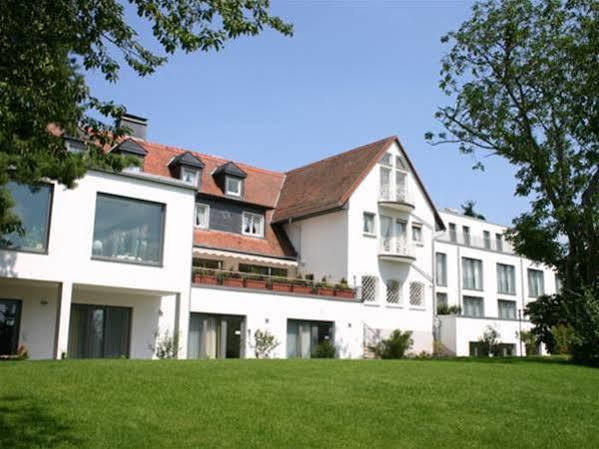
(255, 283)
(344, 293)
(233, 282)
(303, 289)
(281, 287)
(325, 291)
(204, 279)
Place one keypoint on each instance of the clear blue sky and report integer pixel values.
(354, 72)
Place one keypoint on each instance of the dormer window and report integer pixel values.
(232, 186)
(253, 224)
(188, 168)
(131, 148)
(190, 176)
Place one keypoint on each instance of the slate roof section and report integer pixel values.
(230, 169)
(130, 146)
(187, 159)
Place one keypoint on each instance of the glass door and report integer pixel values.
(10, 319)
(215, 336)
(99, 331)
(400, 236)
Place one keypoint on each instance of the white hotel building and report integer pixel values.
(346, 249)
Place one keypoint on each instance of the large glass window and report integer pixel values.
(128, 230)
(10, 318)
(473, 306)
(32, 206)
(506, 309)
(202, 219)
(536, 283)
(472, 273)
(215, 336)
(441, 259)
(261, 269)
(303, 337)
(506, 279)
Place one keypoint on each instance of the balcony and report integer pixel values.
(396, 249)
(398, 199)
(272, 284)
(478, 242)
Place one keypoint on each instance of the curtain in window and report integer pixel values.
(99, 331)
(400, 186)
(536, 283)
(506, 309)
(506, 282)
(472, 276)
(473, 306)
(385, 183)
(386, 233)
(441, 260)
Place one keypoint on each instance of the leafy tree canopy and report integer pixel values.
(523, 77)
(44, 45)
(468, 210)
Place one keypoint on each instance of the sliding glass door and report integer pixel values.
(10, 318)
(215, 336)
(303, 337)
(99, 331)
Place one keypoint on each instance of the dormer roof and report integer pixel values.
(230, 169)
(187, 159)
(130, 146)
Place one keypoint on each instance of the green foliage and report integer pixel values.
(489, 342)
(530, 342)
(264, 344)
(546, 312)
(165, 346)
(46, 45)
(522, 76)
(468, 210)
(444, 309)
(394, 347)
(563, 336)
(325, 350)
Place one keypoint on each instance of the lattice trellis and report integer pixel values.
(393, 292)
(368, 288)
(416, 294)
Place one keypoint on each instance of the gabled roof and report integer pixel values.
(188, 160)
(326, 185)
(130, 146)
(230, 169)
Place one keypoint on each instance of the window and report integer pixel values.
(128, 230)
(417, 294)
(202, 219)
(473, 306)
(441, 300)
(487, 239)
(207, 263)
(393, 291)
(386, 160)
(135, 168)
(498, 242)
(506, 279)
(369, 288)
(466, 235)
(441, 260)
(393, 179)
(215, 336)
(190, 176)
(536, 283)
(260, 269)
(253, 224)
(506, 309)
(10, 320)
(399, 163)
(453, 235)
(385, 183)
(303, 337)
(417, 233)
(32, 206)
(232, 186)
(472, 273)
(368, 226)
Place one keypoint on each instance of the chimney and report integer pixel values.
(138, 126)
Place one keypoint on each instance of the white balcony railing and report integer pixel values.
(400, 194)
(477, 242)
(396, 246)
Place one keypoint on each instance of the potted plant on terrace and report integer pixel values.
(255, 281)
(342, 290)
(325, 289)
(281, 284)
(204, 276)
(231, 279)
(301, 286)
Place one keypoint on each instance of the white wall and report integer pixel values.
(268, 311)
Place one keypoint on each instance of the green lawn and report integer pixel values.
(298, 404)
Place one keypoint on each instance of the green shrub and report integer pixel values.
(165, 346)
(563, 336)
(264, 344)
(394, 347)
(530, 341)
(444, 309)
(325, 350)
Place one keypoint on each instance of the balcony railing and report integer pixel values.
(398, 195)
(298, 286)
(478, 242)
(396, 246)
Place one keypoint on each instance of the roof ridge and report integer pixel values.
(342, 153)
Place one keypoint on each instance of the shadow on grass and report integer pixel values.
(562, 360)
(23, 424)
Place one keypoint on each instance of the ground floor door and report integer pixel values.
(215, 336)
(10, 319)
(99, 331)
(303, 337)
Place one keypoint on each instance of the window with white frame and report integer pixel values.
(506, 279)
(369, 284)
(441, 300)
(536, 283)
(253, 224)
(233, 186)
(202, 216)
(190, 176)
(473, 306)
(466, 235)
(417, 233)
(368, 223)
(506, 309)
(417, 294)
(453, 234)
(498, 242)
(472, 273)
(487, 239)
(393, 179)
(441, 274)
(393, 291)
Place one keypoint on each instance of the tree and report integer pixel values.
(468, 210)
(44, 45)
(523, 77)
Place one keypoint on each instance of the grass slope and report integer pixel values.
(298, 404)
